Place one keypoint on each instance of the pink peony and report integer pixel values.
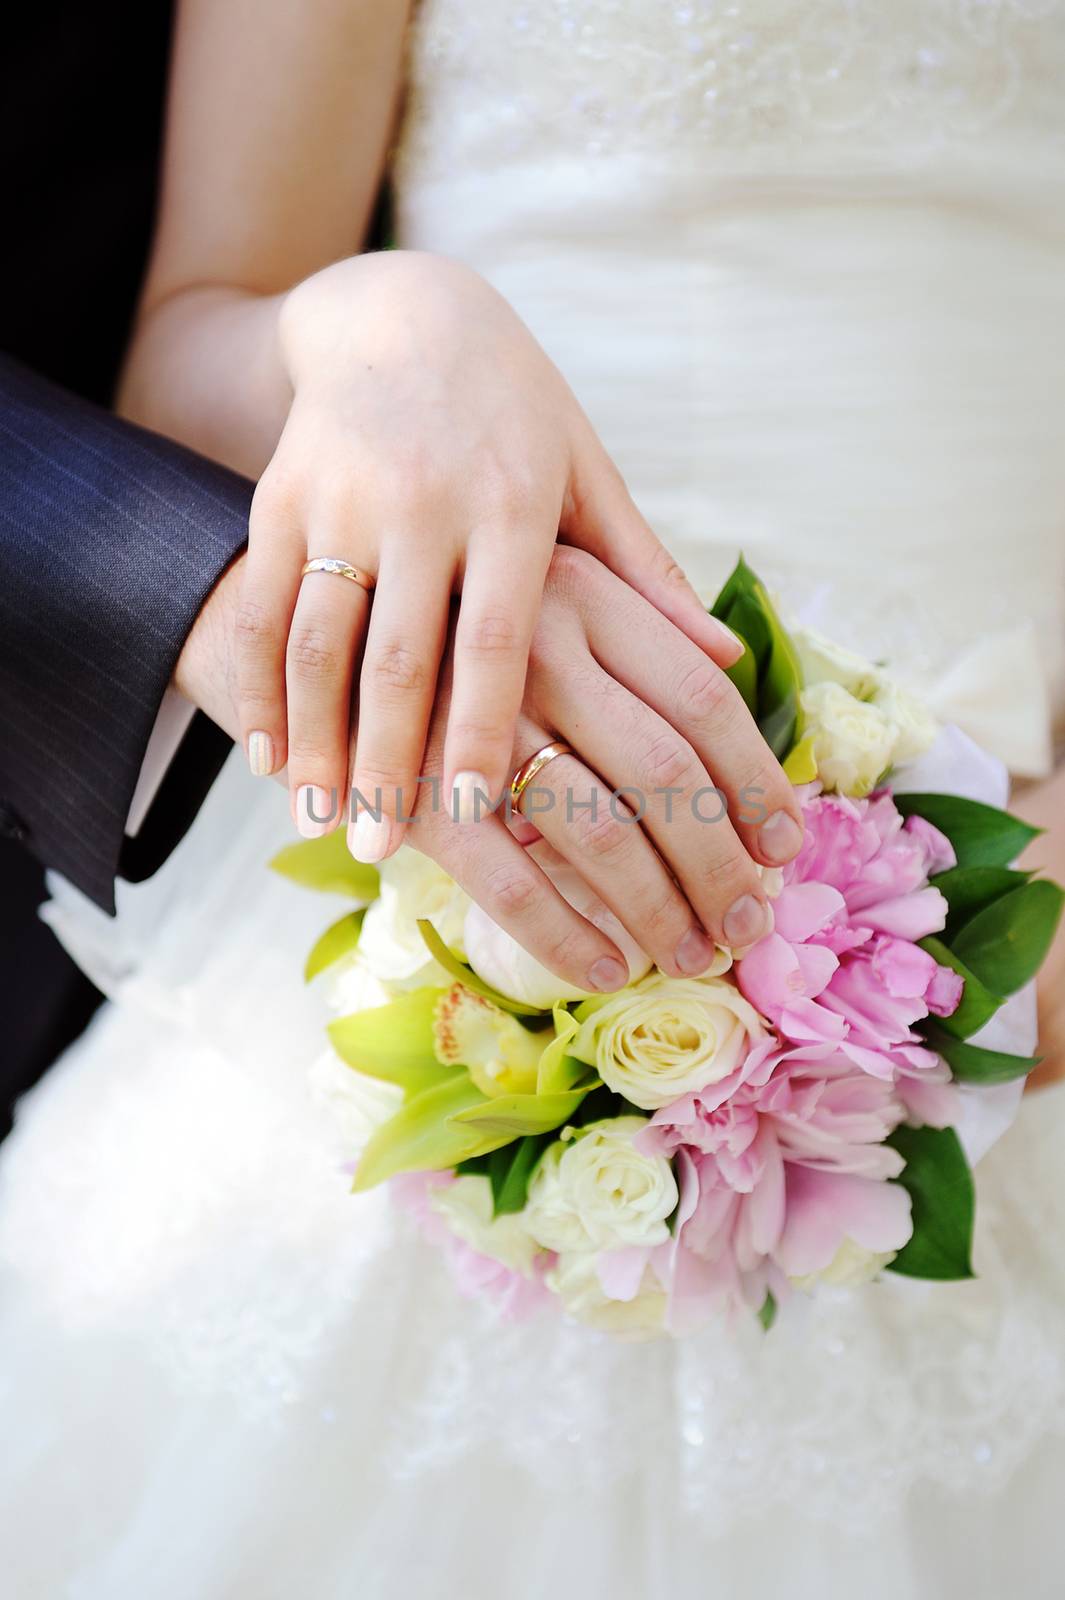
(776, 1172)
(842, 964)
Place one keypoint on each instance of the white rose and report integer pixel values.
(466, 1206)
(854, 742)
(576, 1282)
(595, 1192)
(824, 661)
(850, 1267)
(913, 726)
(666, 1037)
(501, 961)
(356, 1105)
(412, 887)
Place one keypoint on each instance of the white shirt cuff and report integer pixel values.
(171, 726)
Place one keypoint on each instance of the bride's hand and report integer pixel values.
(644, 709)
(646, 713)
(432, 444)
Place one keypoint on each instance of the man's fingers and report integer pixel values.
(696, 698)
(397, 686)
(491, 653)
(486, 861)
(601, 838)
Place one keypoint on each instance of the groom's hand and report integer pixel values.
(647, 713)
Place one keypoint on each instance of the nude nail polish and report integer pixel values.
(746, 921)
(780, 838)
(469, 797)
(260, 754)
(369, 837)
(315, 810)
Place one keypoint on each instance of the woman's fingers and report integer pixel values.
(486, 861)
(497, 615)
(397, 686)
(694, 697)
(600, 836)
(327, 631)
(276, 552)
(602, 518)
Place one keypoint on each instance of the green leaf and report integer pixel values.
(510, 1169)
(337, 941)
(744, 606)
(940, 1185)
(978, 1004)
(1006, 943)
(982, 836)
(968, 890)
(768, 1314)
(424, 1135)
(516, 1115)
(468, 978)
(971, 1063)
(393, 1042)
(329, 866)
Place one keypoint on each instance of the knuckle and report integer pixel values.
(492, 634)
(660, 919)
(395, 668)
(565, 951)
(603, 835)
(514, 891)
(725, 877)
(255, 627)
(668, 763)
(312, 654)
(704, 693)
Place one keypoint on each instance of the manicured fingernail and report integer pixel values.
(745, 921)
(695, 953)
(316, 810)
(780, 838)
(469, 797)
(260, 754)
(608, 974)
(369, 837)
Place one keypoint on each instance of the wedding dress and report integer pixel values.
(804, 265)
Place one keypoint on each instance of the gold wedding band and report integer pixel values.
(535, 764)
(339, 569)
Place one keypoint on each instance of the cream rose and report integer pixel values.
(593, 1191)
(412, 887)
(824, 661)
(850, 1267)
(666, 1037)
(466, 1207)
(913, 726)
(853, 741)
(576, 1282)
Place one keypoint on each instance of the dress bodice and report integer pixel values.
(804, 265)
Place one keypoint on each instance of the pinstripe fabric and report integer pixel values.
(110, 540)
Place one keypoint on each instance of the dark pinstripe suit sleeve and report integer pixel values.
(111, 539)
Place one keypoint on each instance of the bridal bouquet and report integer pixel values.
(648, 1159)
